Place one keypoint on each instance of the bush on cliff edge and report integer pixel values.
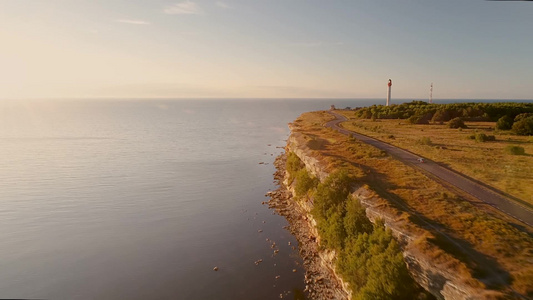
(368, 257)
(304, 182)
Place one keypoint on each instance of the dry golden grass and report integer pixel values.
(487, 162)
(493, 251)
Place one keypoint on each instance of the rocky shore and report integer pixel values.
(320, 279)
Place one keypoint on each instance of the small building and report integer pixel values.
(332, 107)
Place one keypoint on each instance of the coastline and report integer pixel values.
(438, 257)
(320, 278)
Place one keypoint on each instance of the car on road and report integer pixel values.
(421, 160)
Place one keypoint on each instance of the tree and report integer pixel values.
(524, 126)
(331, 193)
(504, 123)
(304, 182)
(355, 221)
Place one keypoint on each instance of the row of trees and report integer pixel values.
(420, 112)
(369, 258)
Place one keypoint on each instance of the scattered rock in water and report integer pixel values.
(277, 277)
(289, 243)
(215, 269)
(264, 222)
(294, 270)
(260, 231)
(257, 262)
(262, 163)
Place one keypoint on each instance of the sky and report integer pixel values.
(469, 49)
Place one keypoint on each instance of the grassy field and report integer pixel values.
(488, 162)
(480, 243)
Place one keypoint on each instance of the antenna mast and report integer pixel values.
(431, 93)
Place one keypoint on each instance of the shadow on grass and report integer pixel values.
(316, 143)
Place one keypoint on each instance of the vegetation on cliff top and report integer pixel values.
(369, 258)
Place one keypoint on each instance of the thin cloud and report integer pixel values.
(134, 22)
(184, 8)
(306, 44)
(222, 4)
(315, 44)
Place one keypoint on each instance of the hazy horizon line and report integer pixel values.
(257, 98)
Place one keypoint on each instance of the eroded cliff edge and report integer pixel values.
(436, 275)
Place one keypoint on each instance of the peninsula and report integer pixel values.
(412, 201)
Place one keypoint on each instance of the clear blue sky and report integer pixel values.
(274, 48)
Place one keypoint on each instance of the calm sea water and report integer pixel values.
(142, 199)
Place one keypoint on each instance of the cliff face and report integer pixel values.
(433, 275)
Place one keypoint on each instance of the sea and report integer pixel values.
(143, 199)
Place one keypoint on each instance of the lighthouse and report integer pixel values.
(388, 93)
(431, 93)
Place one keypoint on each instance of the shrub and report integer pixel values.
(425, 141)
(524, 126)
(293, 164)
(456, 123)
(440, 116)
(304, 182)
(420, 119)
(504, 123)
(515, 150)
(481, 137)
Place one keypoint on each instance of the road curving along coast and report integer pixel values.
(475, 189)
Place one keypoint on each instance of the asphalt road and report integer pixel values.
(461, 182)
